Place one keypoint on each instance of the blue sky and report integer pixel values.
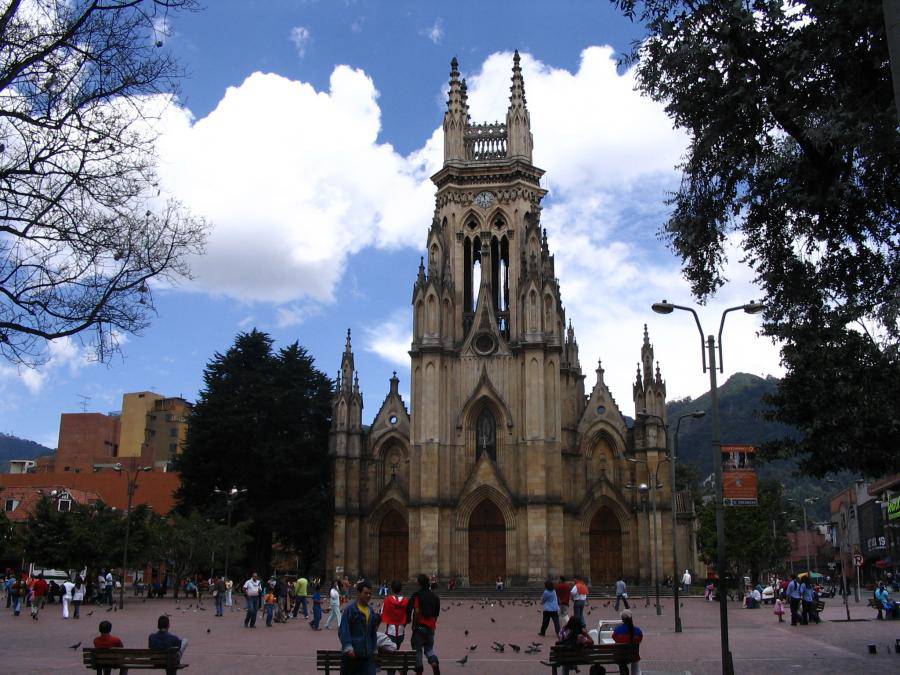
(306, 131)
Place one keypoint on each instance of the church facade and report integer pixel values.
(502, 466)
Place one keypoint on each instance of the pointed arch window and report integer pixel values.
(486, 435)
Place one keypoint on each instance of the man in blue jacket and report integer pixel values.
(358, 633)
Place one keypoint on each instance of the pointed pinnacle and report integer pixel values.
(454, 66)
(347, 345)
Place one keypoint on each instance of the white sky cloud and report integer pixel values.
(293, 198)
(66, 357)
(391, 339)
(434, 32)
(300, 36)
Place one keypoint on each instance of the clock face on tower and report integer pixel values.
(484, 199)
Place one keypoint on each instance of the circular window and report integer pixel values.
(484, 343)
(393, 419)
(601, 409)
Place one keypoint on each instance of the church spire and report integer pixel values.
(647, 357)
(456, 117)
(518, 122)
(348, 369)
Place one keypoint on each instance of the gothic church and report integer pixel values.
(502, 467)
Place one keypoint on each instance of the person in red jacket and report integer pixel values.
(563, 595)
(627, 633)
(38, 595)
(393, 616)
(108, 641)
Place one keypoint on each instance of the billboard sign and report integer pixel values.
(740, 485)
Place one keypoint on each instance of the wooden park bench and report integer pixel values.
(329, 661)
(108, 660)
(618, 654)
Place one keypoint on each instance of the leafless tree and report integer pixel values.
(83, 229)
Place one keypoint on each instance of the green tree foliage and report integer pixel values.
(90, 536)
(191, 543)
(10, 541)
(261, 423)
(790, 113)
(750, 545)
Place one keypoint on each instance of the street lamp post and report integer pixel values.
(643, 490)
(132, 477)
(672, 449)
(808, 500)
(230, 496)
(708, 350)
(653, 488)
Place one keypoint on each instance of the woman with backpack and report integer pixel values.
(574, 634)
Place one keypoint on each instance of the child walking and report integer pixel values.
(779, 610)
(317, 607)
(270, 606)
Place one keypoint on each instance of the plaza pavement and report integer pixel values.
(222, 646)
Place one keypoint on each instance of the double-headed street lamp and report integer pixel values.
(230, 496)
(708, 350)
(132, 477)
(672, 452)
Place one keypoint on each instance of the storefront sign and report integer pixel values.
(893, 508)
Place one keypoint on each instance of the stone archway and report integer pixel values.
(393, 547)
(605, 546)
(487, 544)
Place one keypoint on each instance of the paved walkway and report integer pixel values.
(223, 646)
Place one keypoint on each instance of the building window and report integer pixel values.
(486, 436)
(173, 432)
(64, 505)
(11, 505)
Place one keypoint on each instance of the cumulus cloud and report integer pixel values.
(300, 36)
(434, 32)
(66, 357)
(294, 196)
(391, 339)
(294, 181)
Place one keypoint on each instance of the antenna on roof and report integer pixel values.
(83, 401)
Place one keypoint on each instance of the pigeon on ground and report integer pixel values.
(493, 620)
(90, 613)
(533, 650)
(498, 646)
(467, 633)
(208, 630)
(472, 648)
(109, 609)
(515, 648)
(75, 646)
(463, 660)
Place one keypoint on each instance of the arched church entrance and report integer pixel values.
(487, 544)
(393, 547)
(606, 547)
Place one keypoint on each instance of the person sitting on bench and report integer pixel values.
(108, 641)
(162, 639)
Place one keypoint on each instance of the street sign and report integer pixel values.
(858, 560)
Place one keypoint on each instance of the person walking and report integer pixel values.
(579, 597)
(270, 602)
(39, 589)
(563, 595)
(110, 585)
(627, 633)
(300, 592)
(229, 586)
(66, 598)
(316, 607)
(549, 609)
(334, 606)
(218, 590)
(252, 590)
(78, 596)
(358, 633)
(794, 597)
(621, 593)
(393, 616)
(686, 582)
(779, 610)
(422, 613)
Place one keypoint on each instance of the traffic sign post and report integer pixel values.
(858, 562)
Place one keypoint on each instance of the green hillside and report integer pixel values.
(740, 410)
(13, 447)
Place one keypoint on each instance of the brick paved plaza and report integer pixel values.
(223, 646)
